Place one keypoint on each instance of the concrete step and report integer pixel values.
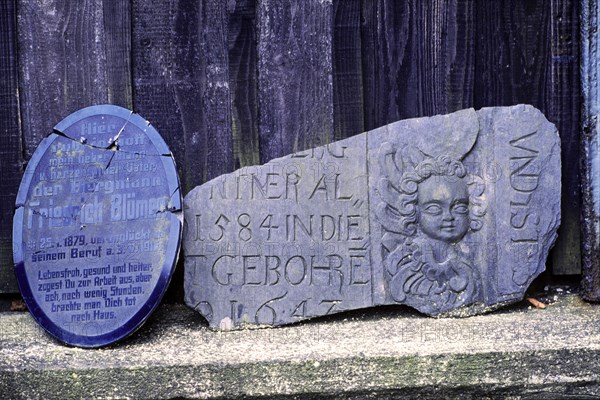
(391, 352)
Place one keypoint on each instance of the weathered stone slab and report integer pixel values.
(451, 215)
(97, 226)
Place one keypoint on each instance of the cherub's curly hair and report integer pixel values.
(443, 166)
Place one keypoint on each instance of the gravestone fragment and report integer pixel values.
(451, 215)
(97, 226)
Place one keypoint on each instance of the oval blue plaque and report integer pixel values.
(97, 226)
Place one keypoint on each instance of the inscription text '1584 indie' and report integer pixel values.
(97, 226)
(451, 215)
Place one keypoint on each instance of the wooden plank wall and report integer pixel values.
(236, 83)
(11, 149)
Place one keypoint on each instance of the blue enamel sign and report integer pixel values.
(97, 226)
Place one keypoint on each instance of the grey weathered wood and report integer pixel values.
(564, 110)
(590, 44)
(348, 104)
(294, 75)
(384, 42)
(527, 53)
(512, 53)
(418, 58)
(181, 82)
(243, 82)
(67, 61)
(11, 152)
(117, 26)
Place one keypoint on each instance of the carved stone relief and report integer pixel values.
(451, 215)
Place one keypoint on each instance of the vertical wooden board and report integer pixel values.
(527, 53)
(216, 93)
(181, 82)
(565, 113)
(11, 152)
(161, 83)
(294, 75)
(442, 47)
(384, 40)
(243, 82)
(460, 53)
(512, 53)
(590, 140)
(63, 61)
(348, 105)
(117, 26)
(418, 58)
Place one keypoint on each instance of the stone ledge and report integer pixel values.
(386, 353)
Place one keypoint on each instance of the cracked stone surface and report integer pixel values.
(452, 215)
(97, 226)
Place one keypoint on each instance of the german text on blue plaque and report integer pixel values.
(97, 226)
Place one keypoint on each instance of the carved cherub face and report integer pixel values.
(443, 207)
